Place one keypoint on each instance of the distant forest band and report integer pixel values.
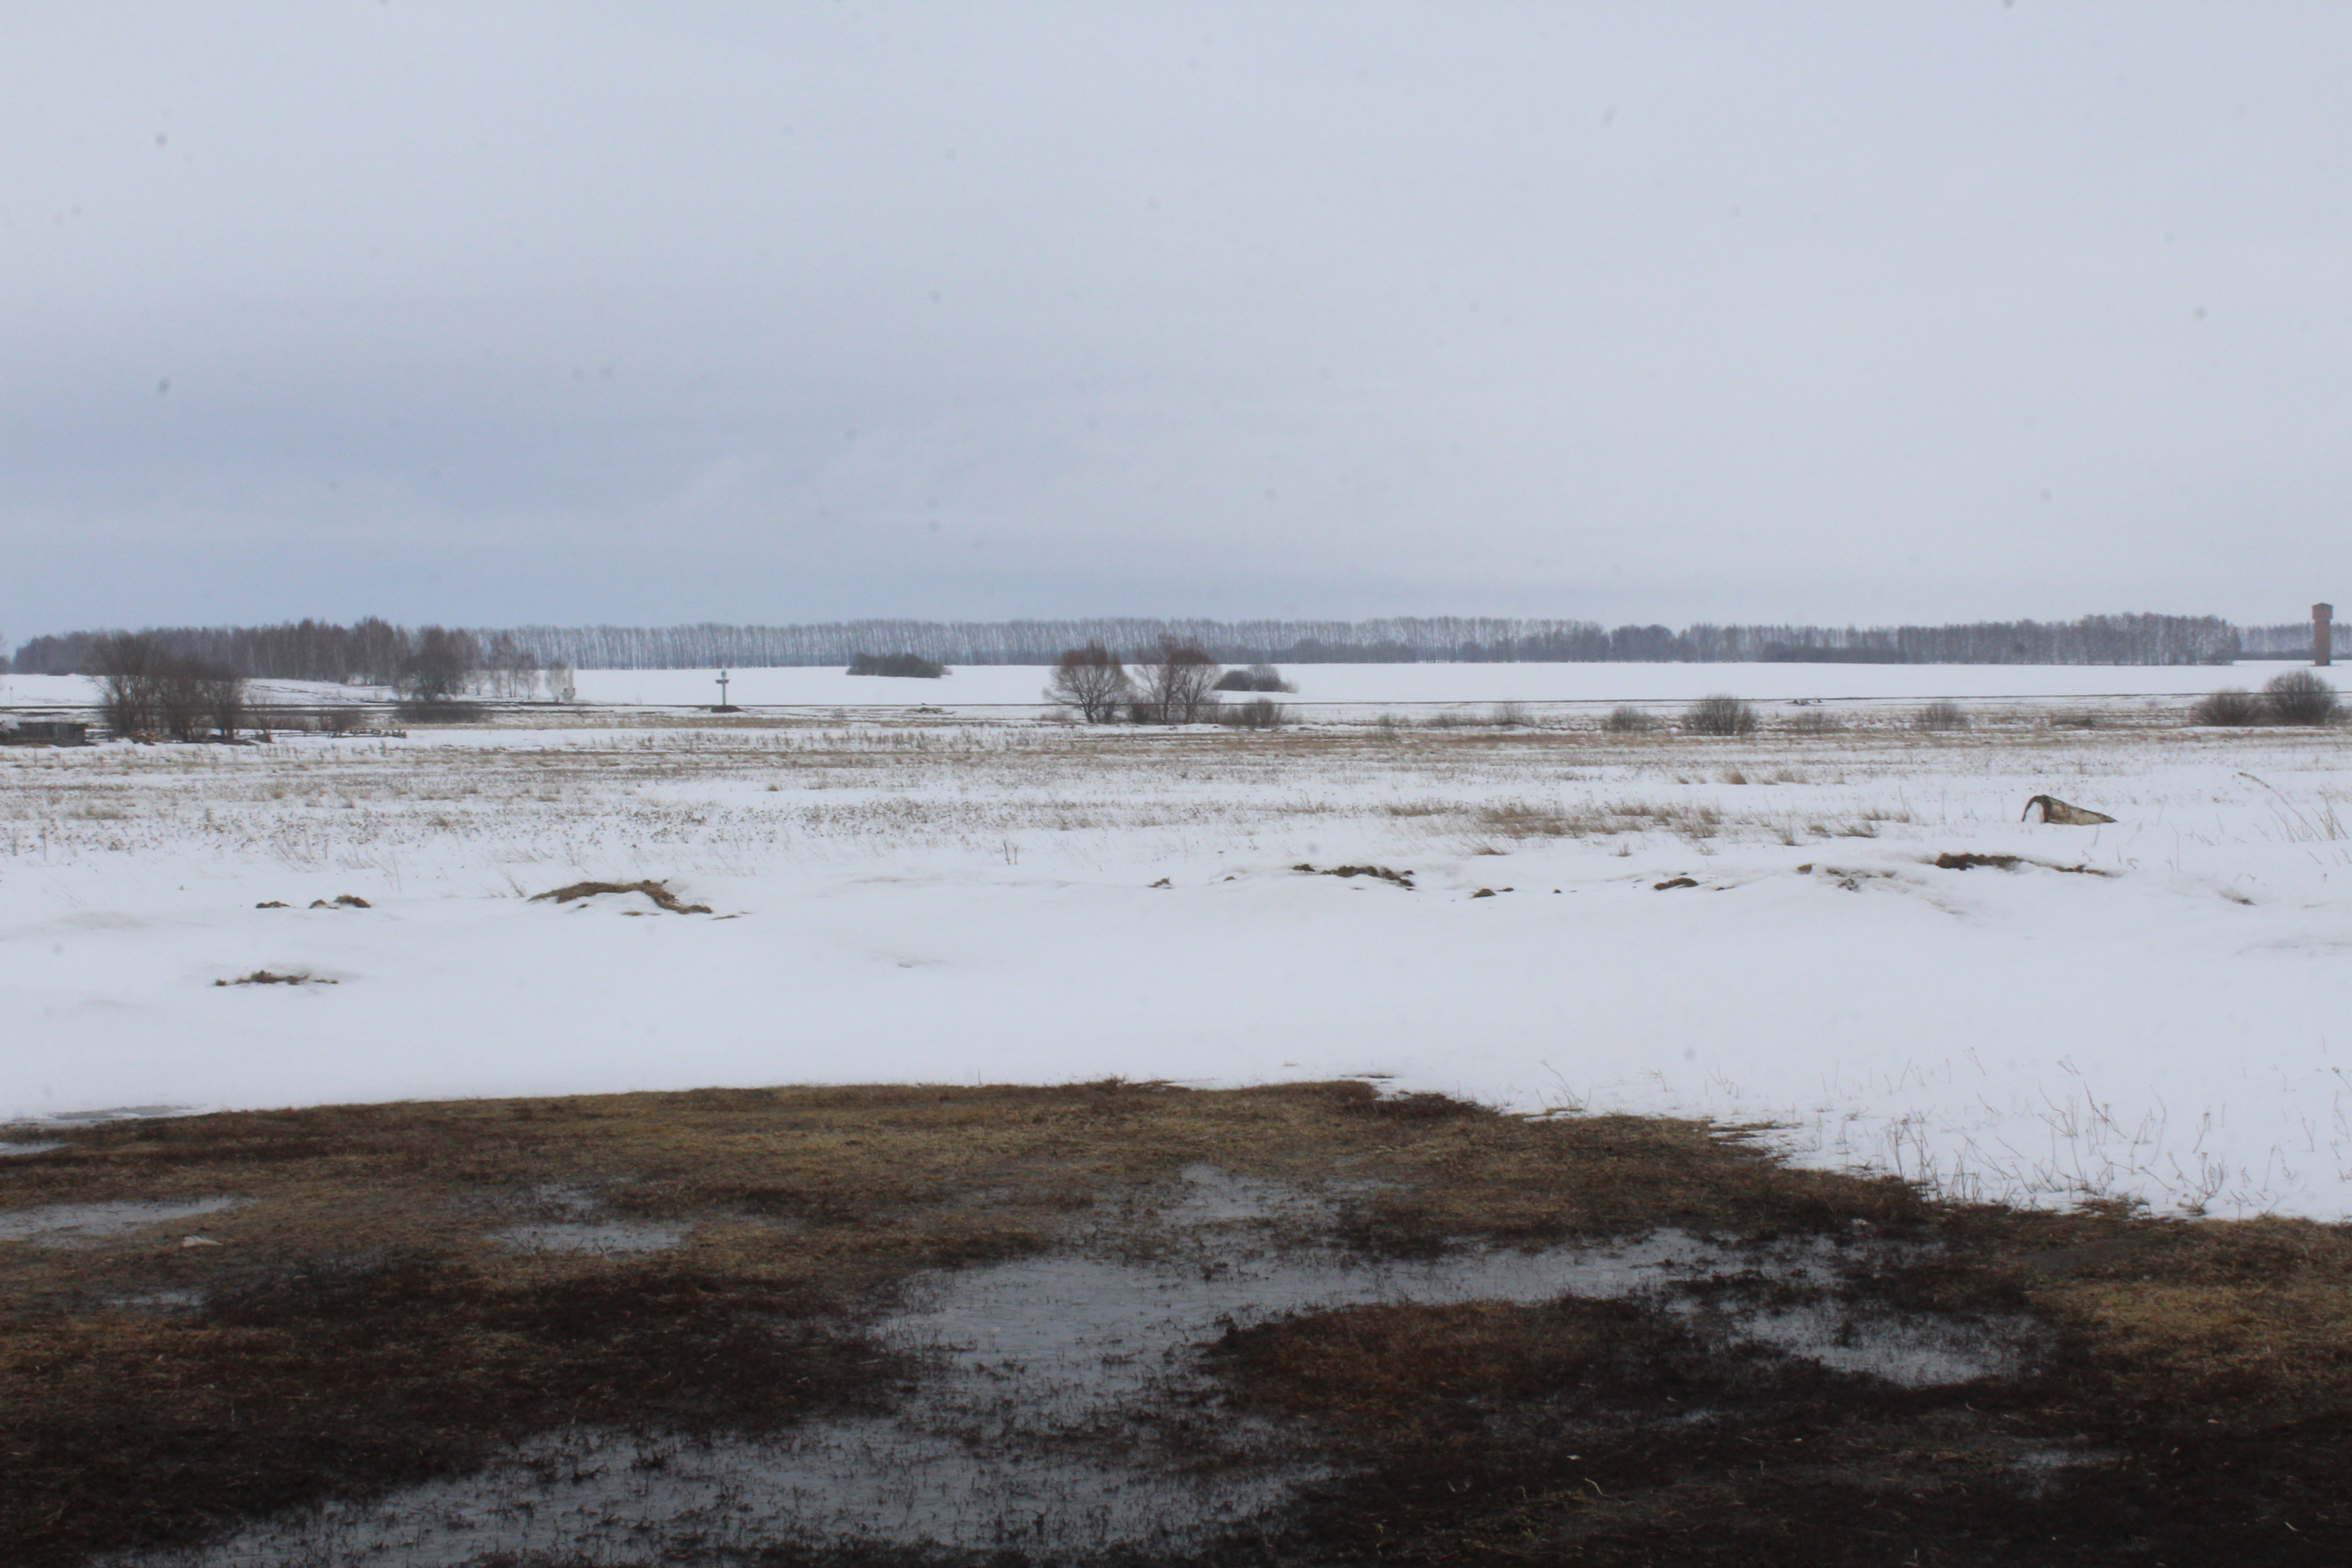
(377, 651)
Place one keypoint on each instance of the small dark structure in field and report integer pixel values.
(2323, 634)
(902, 664)
(2058, 811)
(44, 732)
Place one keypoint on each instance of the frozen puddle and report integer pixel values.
(1908, 1353)
(1065, 1409)
(84, 1225)
(612, 1237)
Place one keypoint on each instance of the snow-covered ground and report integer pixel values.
(991, 686)
(2154, 1007)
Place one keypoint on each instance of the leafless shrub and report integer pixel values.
(2299, 697)
(1261, 713)
(1719, 715)
(440, 666)
(1178, 682)
(1091, 682)
(2231, 708)
(1256, 677)
(1627, 719)
(129, 668)
(1512, 716)
(1816, 721)
(222, 694)
(1941, 716)
(144, 688)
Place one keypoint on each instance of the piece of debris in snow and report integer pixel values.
(340, 902)
(654, 890)
(269, 977)
(1675, 882)
(1164, 882)
(2058, 811)
(272, 904)
(1970, 861)
(1401, 879)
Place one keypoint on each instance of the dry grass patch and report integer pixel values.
(364, 1321)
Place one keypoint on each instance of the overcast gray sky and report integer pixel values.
(515, 312)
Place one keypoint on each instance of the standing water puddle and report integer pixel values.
(85, 1225)
(1065, 1410)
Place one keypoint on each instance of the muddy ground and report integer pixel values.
(1123, 1323)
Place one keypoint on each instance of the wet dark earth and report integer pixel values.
(1368, 1350)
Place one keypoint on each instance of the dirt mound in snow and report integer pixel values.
(656, 891)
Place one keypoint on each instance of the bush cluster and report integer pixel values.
(2298, 697)
(146, 689)
(1719, 715)
(1256, 677)
(1941, 716)
(1173, 682)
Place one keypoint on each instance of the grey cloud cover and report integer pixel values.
(640, 314)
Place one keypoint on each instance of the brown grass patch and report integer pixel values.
(656, 891)
(361, 1324)
(1381, 873)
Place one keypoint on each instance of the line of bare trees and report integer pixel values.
(1173, 682)
(376, 652)
(429, 664)
(146, 689)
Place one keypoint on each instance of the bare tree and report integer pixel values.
(1180, 683)
(512, 668)
(127, 669)
(1091, 680)
(438, 666)
(224, 699)
(181, 709)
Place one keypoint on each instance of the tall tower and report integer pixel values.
(2323, 634)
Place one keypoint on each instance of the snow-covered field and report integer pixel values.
(996, 685)
(990, 685)
(2156, 1007)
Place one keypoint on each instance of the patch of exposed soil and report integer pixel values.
(659, 893)
(1400, 879)
(1304, 1324)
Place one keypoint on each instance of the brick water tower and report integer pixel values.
(2323, 634)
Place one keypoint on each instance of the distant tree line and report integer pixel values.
(427, 663)
(513, 662)
(2291, 639)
